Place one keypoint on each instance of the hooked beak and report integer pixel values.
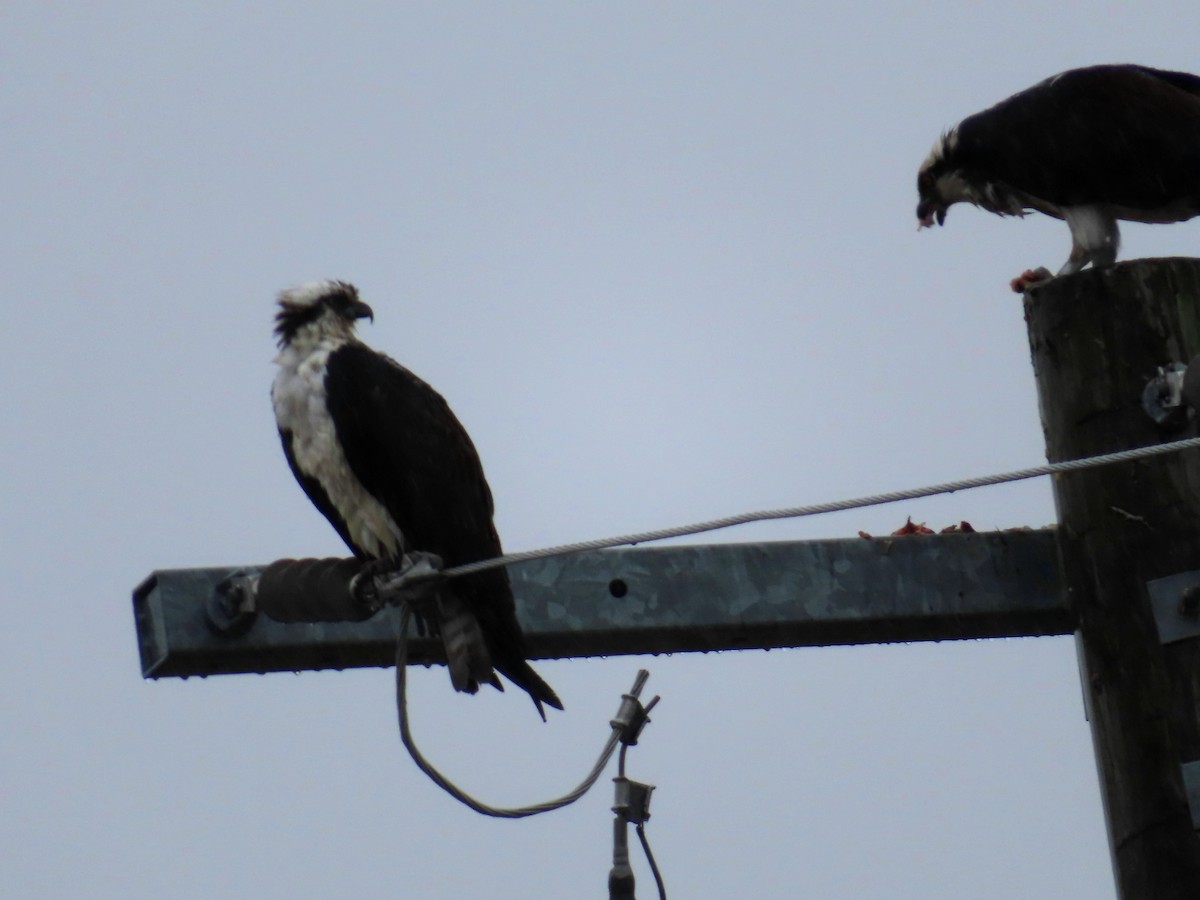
(360, 310)
(928, 213)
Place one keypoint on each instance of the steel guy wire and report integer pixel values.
(796, 512)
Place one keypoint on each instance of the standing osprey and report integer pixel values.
(379, 452)
(1090, 146)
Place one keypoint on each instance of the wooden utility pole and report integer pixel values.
(1097, 338)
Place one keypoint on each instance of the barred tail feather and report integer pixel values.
(480, 632)
(467, 654)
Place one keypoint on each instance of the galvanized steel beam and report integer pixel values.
(666, 600)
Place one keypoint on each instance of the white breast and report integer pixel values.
(298, 395)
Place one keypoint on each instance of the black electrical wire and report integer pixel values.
(641, 833)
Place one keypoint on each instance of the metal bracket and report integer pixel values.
(1175, 602)
(1172, 397)
(1191, 784)
(1163, 398)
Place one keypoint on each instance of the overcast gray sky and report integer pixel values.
(661, 258)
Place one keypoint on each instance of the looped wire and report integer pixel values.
(445, 783)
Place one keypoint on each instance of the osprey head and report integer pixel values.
(938, 186)
(930, 207)
(327, 308)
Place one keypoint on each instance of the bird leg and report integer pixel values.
(1095, 238)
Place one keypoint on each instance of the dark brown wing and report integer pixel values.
(1122, 135)
(409, 450)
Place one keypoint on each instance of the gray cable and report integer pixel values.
(948, 487)
(448, 786)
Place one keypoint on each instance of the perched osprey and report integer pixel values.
(1090, 146)
(379, 452)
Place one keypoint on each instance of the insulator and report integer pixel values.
(311, 590)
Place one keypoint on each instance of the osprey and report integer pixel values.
(379, 452)
(1090, 146)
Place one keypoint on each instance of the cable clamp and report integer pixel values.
(632, 717)
(413, 580)
(632, 800)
